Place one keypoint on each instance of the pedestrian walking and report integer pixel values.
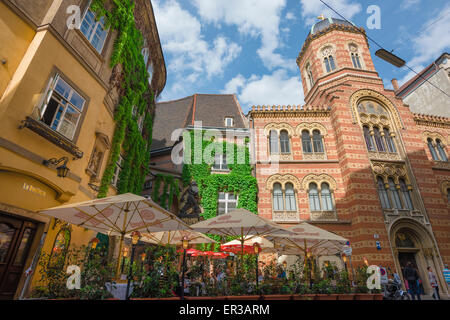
(411, 276)
(434, 284)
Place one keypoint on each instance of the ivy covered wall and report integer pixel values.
(136, 100)
(239, 181)
(170, 189)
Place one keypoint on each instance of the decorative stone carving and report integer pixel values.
(324, 216)
(442, 165)
(373, 155)
(318, 179)
(311, 126)
(285, 216)
(386, 170)
(444, 187)
(314, 156)
(278, 127)
(368, 93)
(283, 179)
(433, 136)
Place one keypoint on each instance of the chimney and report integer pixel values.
(395, 84)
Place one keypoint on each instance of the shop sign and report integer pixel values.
(33, 189)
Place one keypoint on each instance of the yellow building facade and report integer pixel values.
(57, 102)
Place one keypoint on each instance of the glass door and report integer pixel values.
(16, 236)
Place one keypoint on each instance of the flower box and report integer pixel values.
(304, 297)
(347, 296)
(253, 297)
(364, 296)
(326, 297)
(277, 297)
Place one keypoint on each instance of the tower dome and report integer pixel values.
(325, 23)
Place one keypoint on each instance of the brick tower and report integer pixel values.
(354, 160)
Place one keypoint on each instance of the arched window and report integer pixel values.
(371, 108)
(389, 141)
(394, 194)
(309, 76)
(368, 138)
(406, 195)
(378, 140)
(290, 198)
(448, 194)
(327, 201)
(329, 63)
(432, 150)
(385, 203)
(314, 201)
(355, 60)
(278, 203)
(441, 150)
(284, 142)
(306, 142)
(273, 137)
(403, 240)
(317, 141)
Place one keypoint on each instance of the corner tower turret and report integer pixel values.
(333, 49)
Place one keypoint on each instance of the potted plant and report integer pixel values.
(96, 272)
(361, 290)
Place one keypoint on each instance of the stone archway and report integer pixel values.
(412, 241)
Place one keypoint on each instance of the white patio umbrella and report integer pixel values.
(118, 215)
(242, 224)
(263, 243)
(310, 238)
(176, 237)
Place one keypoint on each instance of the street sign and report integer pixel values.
(347, 250)
(384, 277)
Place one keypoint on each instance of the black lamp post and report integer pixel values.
(345, 262)
(308, 256)
(143, 256)
(257, 249)
(124, 255)
(62, 170)
(135, 236)
(185, 243)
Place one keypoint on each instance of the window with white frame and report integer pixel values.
(309, 76)
(328, 59)
(117, 170)
(354, 54)
(227, 202)
(62, 108)
(150, 73)
(320, 200)
(94, 31)
(228, 122)
(145, 52)
(220, 162)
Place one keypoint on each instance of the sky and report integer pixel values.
(249, 47)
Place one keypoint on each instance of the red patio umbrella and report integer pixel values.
(237, 248)
(191, 251)
(212, 254)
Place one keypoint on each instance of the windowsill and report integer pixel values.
(220, 171)
(438, 164)
(284, 216)
(51, 135)
(330, 215)
(400, 212)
